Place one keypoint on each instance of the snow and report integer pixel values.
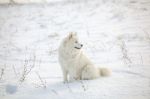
(11, 89)
(115, 34)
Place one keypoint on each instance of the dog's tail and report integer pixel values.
(104, 71)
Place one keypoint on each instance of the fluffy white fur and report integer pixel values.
(75, 64)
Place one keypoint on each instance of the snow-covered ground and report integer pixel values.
(115, 34)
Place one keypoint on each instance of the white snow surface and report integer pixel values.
(115, 34)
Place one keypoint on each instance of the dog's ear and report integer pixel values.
(75, 33)
(71, 34)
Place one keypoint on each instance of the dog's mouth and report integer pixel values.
(79, 47)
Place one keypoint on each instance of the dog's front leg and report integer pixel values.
(78, 74)
(65, 74)
(74, 77)
(71, 79)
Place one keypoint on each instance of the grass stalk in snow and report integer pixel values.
(27, 68)
(124, 51)
(43, 82)
(141, 58)
(14, 69)
(147, 36)
(2, 73)
(54, 91)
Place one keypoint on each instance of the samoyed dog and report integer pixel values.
(75, 64)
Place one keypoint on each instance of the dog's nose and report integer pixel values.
(81, 45)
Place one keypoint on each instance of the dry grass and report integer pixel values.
(2, 73)
(147, 36)
(125, 55)
(42, 81)
(27, 68)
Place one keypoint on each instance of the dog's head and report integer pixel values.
(72, 42)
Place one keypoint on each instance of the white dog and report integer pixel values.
(75, 64)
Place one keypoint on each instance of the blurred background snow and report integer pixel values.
(115, 34)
